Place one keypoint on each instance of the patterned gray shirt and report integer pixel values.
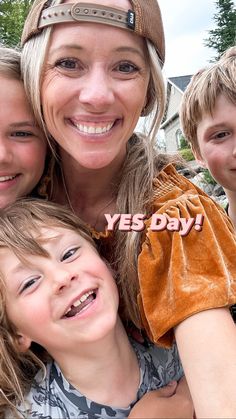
(55, 398)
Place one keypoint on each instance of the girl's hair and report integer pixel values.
(135, 188)
(200, 97)
(10, 63)
(18, 224)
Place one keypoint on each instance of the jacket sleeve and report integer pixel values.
(181, 275)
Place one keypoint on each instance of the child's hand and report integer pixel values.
(171, 402)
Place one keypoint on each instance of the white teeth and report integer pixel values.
(80, 301)
(5, 178)
(94, 129)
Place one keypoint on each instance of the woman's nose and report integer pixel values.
(97, 90)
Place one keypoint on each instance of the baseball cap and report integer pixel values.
(144, 19)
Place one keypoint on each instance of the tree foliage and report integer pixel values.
(12, 17)
(224, 35)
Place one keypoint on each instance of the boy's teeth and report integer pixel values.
(81, 300)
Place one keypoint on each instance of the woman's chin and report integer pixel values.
(97, 160)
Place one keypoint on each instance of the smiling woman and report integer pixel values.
(91, 70)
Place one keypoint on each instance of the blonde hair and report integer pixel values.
(10, 63)
(202, 92)
(18, 222)
(135, 188)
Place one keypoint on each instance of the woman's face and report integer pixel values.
(94, 89)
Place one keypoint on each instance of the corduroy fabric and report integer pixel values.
(148, 22)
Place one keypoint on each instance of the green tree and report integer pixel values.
(224, 35)
(12, 17)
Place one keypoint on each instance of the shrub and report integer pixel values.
(186, 154)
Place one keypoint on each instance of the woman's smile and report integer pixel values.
(93, 128)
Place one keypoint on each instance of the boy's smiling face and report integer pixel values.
(62, 300)
(217, 143)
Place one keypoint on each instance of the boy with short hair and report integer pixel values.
(208, 118)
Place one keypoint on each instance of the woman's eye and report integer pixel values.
(68, 64)
(127, 68)
(69, 253)
(29, 283)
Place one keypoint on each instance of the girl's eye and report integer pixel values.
(22, 134)
(68, 64)
(127, 68)
(69, 253)
(29, 283)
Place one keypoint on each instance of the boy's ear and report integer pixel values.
(23, 342)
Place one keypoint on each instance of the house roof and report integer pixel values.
(181, 82)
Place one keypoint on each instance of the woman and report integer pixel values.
(91, 71)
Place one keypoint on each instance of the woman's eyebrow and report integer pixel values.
(134, 50)
(65, 47)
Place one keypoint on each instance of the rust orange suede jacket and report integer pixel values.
(183, 275)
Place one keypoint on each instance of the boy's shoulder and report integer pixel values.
(43, 401)
(52, 396)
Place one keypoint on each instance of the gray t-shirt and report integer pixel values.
(55, 398)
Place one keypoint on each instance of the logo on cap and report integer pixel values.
(131, 19)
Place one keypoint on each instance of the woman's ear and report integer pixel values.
(23, 342)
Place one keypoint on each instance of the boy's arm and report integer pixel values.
(172, 402)
(207, 347)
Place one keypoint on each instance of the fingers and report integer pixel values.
(182, 387)
(166, 391)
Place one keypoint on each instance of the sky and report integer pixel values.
(186, 24)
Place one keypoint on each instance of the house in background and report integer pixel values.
(171, 123)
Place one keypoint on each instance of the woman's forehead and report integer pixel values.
(84, 36)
